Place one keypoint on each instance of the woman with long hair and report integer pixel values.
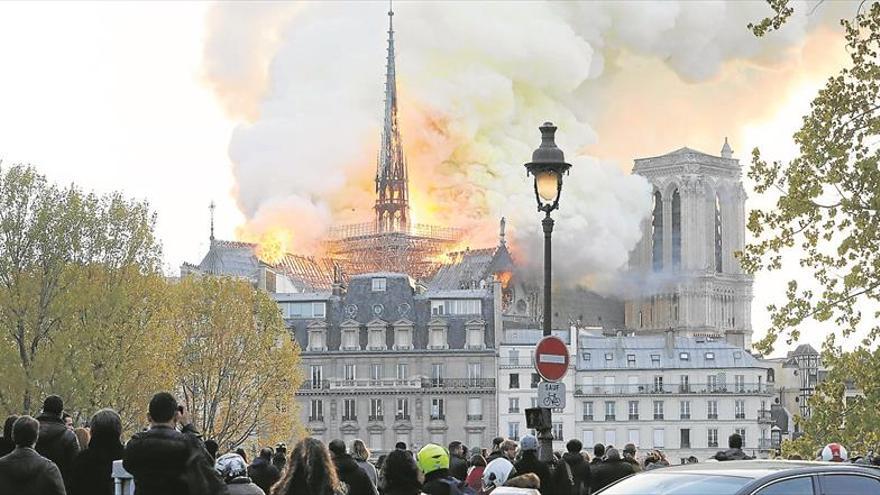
(400, 474)
(361, 455)
(91, 473)
(310, 471)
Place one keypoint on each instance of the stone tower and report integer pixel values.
(686, 273)
(392, 192)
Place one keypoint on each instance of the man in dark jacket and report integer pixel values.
(580, 469)
(279, 458)
(496, 449)
(458, 465)
(734, 452)
(349, 472)
(56, 442)
(529, 463)
(263, 473)
(598, 454)
(165, 461)
(24, 471)
(629, 455)
(611, 470)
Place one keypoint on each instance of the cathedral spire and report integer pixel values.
(726, 151)
(392, 194)
(212, 207)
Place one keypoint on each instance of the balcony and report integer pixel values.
(458, 383)
(474, 417)
(674, 389)
(588, 417)
(739, 416)
(764, 416)
(352, 418)
(316, 419)
(513, 411)
(388, 383)
(685, 416)
(633, 417)
(315, 385)
(712, 416)
(376, 417)
(438, 417)
(609, 417)
(658, 415)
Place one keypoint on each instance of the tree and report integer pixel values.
(827, 217)
(238, 369)
(51, 239)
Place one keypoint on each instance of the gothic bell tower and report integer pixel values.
(688, 276)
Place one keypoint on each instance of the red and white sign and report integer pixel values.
(551, 358)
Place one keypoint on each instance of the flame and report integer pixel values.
(272, 245)
(504, 278)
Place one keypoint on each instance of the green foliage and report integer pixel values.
(829, 196)
(781, 12)
(238, 364)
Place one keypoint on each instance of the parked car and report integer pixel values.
(757, 477)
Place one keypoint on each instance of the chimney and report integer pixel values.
(670, 340)
(337, 287)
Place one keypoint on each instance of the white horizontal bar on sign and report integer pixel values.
(552, 358)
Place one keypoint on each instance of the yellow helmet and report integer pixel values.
(432, 457)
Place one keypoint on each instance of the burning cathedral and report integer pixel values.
(406, 337)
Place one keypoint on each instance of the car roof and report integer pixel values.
(762, 468)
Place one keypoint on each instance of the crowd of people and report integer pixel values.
(46, 455)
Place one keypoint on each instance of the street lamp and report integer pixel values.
(547, 167)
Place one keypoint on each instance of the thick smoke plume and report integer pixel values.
(475, 81)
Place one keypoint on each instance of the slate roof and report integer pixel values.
(531, 336)
(230, 258)
(725, 355)
(467, 268)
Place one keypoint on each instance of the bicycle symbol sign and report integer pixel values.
(551, 395)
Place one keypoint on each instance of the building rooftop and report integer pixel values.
(687, 352)
(531, 336)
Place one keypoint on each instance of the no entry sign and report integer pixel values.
(551, 358)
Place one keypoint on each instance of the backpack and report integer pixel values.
(457, 487)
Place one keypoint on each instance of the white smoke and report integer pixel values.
(476, 80)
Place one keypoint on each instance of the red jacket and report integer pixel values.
(475, 478)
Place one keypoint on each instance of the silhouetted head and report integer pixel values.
(25, 431)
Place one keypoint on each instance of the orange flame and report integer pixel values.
(272, 245)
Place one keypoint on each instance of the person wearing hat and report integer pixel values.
(233, 469)
(529, 463)
(433, 461)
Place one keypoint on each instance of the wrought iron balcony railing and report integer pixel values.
(693, 388)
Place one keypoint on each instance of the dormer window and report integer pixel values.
(379, 284)
(609, 356)
(630, 360)
(403, 335)
(376, 338)
(737, 355)
(655, 360)
(317, 333)
(710, 356)
(684, 356)
(350, 337)
(437, 337)
(475, 331)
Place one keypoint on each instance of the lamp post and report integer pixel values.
(547, 167)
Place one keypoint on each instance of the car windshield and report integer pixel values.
(677, 484)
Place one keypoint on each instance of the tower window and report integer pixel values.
(676, 230)
(718, 236)
(657, 233)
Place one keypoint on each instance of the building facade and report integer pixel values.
(684, 395)
(688, 277)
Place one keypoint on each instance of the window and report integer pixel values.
(513, 431)
(376, 338)
(475, 409)
(739, 382)
(402, 373)
(633, 410)
(630, 360)
(514, 380)
(350, 338)
(513, 357)
(403, 338)
(655, 360)
(316, 410)
(845, 484)
(349, 413)
(402, 409)
(659, 437)
(474, 373)
(685, 438)
(658, 384)
(557, 432)
(317, 374)
(437, 410)
(684, 385)
(303, 309)
(375, 373)
(456, 307)
(534, 402)
(685, 409)
(588, 438)
(712, 382)
(739, 409)
(657, 233)
(376, 413)
(795, 486)
(684, 356)
(610, 437)
(713, 437)
(475, 337)
(379, 284)
(658, 409)
(632, 436)
(737, 354)
(609, 356)
(437, 338)
(317, 339)
(513, 405)
(588, 411)
(536, 379)
(710, 356)
(712, 409)
(609, 410)
(742, 433)
(349, 372)
(437, 374)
